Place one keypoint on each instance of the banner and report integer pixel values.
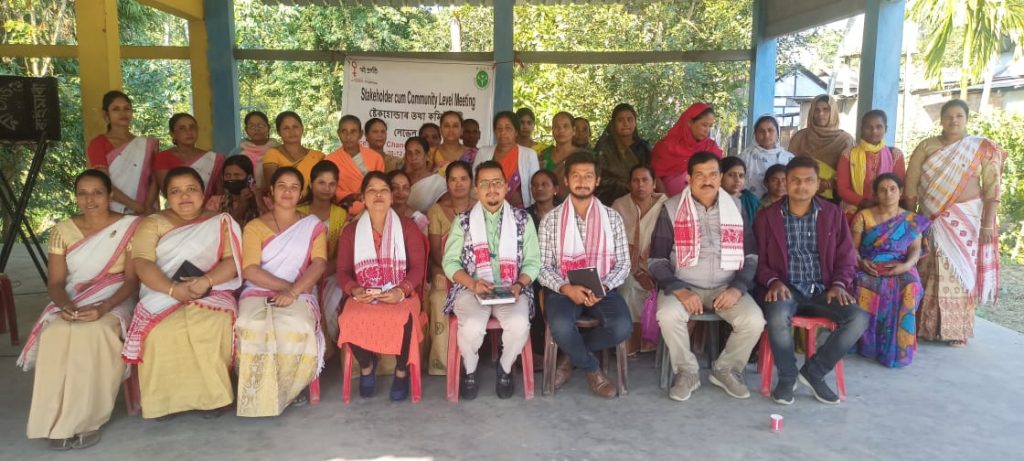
(406, 93)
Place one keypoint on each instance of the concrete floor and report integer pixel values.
(950, 404)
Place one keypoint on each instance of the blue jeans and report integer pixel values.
(850, 319)
(616, 326)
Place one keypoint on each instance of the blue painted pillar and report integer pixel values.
(881, 50)
(762, 70)
(504, 53)
(220, 30)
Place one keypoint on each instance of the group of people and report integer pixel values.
(264, 263)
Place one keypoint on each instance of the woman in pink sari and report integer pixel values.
(181, 335)
(126, 158)
(257, 141)
(75, 347)
(691, 134)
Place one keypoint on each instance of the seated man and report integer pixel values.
(491, 245)
(582, 233)
(806, 267)
(702, 260)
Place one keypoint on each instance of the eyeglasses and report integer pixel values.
(492, 184)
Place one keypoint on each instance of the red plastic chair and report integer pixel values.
(8, 315)
(455, 359)
(811, 324)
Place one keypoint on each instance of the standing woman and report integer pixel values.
(181, 335)
(431, 133)
(280, 347)
(75, 346)
(381, 265)
(319, 203)
(376, 132)
(426, 186)
(553, 157)
(517, 161)
(763, 153)
(400, 191)
(239, 191)
(126, 158)
(451, 148)
(619, 149)
(208, 164)
(527, 123)
(823, 141)
(888, 242)
(953, 179)
(859, 166)
(691, 134)
(291, 152)
(257, 141)
(459, 176)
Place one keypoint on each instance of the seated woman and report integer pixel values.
(451, 148)
(380, 268)
(75, 346)
(458, 200)
(239, 187)
(691, 134)
(888, 241)
(425, 186)
(858, 167)
(517, 161)
(400, 192)
(184, 132)
(734, 180)
(280, 347)
(775, 183)
(181, 335)
(257, 140)
(319, 203)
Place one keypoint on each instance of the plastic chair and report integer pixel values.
(455, 359)
(811, 324)
(8, 314)
(711, 346)
(551, 353)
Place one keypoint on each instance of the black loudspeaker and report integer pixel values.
(29, 109)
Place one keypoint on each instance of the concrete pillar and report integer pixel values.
(504, 53)
(99, 59)
(223, 69)
(879, 86)
(762, 71)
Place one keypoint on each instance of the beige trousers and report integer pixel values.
(473, 317)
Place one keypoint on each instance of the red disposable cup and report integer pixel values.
(776, 422)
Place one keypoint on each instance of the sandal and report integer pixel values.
(61, 444)
(213, 414)
(957, 343)
(301, 400)
(86, 439)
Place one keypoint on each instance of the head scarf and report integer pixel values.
(822, 143)
(671, 154)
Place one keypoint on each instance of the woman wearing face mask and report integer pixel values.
(239, 198)
(691, 134)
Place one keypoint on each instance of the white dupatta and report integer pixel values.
(205, 166)
(88, 280)
(508, 246)
(129, 167)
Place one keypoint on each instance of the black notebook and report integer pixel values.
(589, 278)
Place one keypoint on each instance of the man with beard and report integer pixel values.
(492, 245)
(578, 234)
(806, 267)
(703, 261)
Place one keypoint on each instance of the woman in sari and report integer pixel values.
(763, 153)
(257, 131)
(459, 176)
(400, 191)
(553, 157)
(319, 203)
(280, 347)
(888, 242)
(75, 347)
(823, 141)
(734, 181)
(426, 186)
(870, 158)
(181, 336)
(239, 187)
(953, 179)
(380, 268)
(619, 149)
(691, 134)
(208, 164)
(519, 162)
(126, 158)
(432, 134)
(291, 152)
(451, 148)
(527, 123)
(376, 132)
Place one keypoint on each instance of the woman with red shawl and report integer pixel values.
(688, 136)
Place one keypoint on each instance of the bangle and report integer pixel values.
(170, 291)
(209, 279)
(292, 293)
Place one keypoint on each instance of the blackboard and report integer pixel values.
(29, 106)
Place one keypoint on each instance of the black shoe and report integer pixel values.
(503, 385)
(783, 393)
(368, 383)
(821, 390)
(399, 388)
(468, 387)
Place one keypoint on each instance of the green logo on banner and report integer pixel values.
(481, 79)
